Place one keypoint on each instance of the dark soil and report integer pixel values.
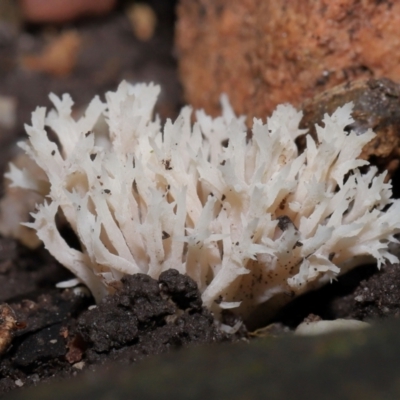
(364, 293)
(145, 317)
(64, 332)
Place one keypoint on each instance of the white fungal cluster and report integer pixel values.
(252, 222)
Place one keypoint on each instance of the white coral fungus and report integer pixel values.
(252, 222)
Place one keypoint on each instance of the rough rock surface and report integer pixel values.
(263, 53)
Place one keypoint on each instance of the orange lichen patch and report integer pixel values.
(58, 58)
(266, 53)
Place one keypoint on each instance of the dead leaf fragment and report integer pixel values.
(76, 347)
(8, 324)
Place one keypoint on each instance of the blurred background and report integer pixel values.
(83, 48)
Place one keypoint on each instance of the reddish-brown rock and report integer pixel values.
(263, 53)
(53, 11)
